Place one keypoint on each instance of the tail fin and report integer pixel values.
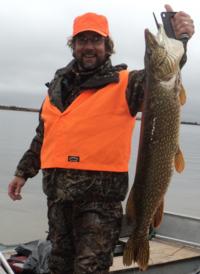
(136, 250)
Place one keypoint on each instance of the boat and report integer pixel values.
(174, 248)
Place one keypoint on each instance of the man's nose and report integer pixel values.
(89, 43)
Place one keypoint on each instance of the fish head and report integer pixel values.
(162, 54)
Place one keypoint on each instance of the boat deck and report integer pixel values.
(174, 250)
(161, 252)
(166, 257)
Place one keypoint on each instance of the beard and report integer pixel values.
(89, 61)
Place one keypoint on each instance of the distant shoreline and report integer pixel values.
(16, 108)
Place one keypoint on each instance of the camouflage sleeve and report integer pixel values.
(29, 165)
(135, 91)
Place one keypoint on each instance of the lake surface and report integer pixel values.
(26, 220)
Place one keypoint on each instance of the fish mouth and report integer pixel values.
(148, 34)
(160, 39)
(162, 53)
(155, 48)
(150, 39)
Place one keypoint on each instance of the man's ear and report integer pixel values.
(73, 49)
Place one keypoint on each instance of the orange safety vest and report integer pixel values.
(93, 133)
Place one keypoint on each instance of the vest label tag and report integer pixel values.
(73, 159)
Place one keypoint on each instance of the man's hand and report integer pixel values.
(182, 23)
(14, 188)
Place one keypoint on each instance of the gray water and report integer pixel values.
(25, 220)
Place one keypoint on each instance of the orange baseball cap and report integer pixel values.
(91, 22)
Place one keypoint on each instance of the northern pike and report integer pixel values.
(159, 151)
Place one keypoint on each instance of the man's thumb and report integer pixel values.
(168, 8)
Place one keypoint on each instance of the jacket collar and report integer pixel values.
(73, 79)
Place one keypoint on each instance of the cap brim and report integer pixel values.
(91, 29)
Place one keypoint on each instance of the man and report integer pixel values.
(82, 146)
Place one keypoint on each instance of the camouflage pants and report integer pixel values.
(84, 221)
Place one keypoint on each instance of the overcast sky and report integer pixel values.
(33, 37)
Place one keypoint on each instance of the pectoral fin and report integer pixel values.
(179, 161)
(182, 95)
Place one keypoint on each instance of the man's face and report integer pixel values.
(89, 50)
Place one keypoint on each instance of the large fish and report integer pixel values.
(158, 147)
